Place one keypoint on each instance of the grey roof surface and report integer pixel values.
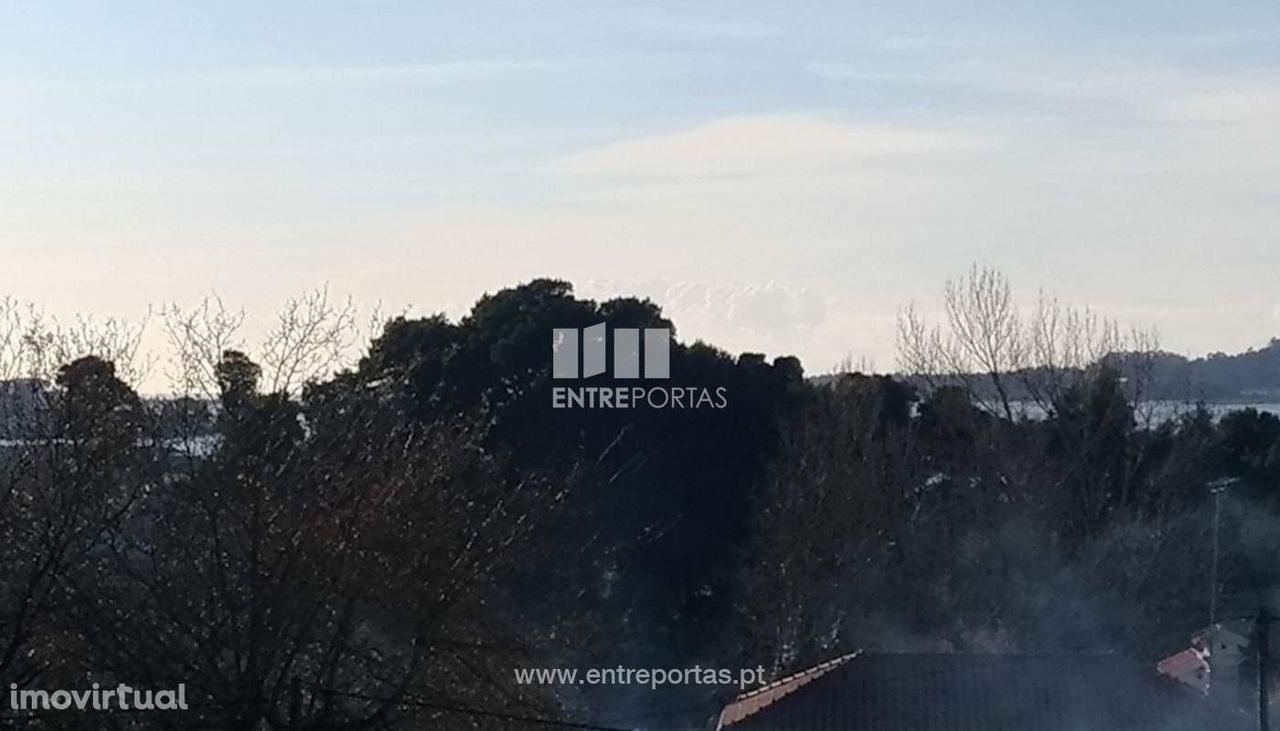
(962, 692)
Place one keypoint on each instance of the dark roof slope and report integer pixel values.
(957, 692)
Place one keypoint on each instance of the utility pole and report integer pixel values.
(1213, 572)
(1262, 634)
(1217, 487)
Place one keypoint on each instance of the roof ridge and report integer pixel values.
(814, 670)
(751, 702)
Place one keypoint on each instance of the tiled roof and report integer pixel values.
(760, 698)
(1188, 667)
(959, 692)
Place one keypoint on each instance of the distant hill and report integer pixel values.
(1251, 376)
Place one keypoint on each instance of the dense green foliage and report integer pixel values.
(387, 544)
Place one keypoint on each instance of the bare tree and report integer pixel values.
(311, 339)
(1082, 376)
(851, 364)
(197, 339)
(33, 345)
(65, 473)
(367, 561)
(983, 341)
(828, 519)
(1007, 359)
(304, 554)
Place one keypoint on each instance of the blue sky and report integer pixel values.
(782, 177)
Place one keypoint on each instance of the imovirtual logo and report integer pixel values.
(638, 354)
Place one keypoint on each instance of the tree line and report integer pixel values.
(312, 543)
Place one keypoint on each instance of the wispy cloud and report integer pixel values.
(758, 145)
(767, 308)
(1104, 91)
(930, 43)
(1239, 102)
(1006, 76)
(1216, 39)
(696, 28)
(445, 72)
(839, 71)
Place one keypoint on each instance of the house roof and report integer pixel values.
(961, 692)
(749, 703)
(1188, 667)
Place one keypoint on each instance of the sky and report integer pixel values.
(781, 177)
